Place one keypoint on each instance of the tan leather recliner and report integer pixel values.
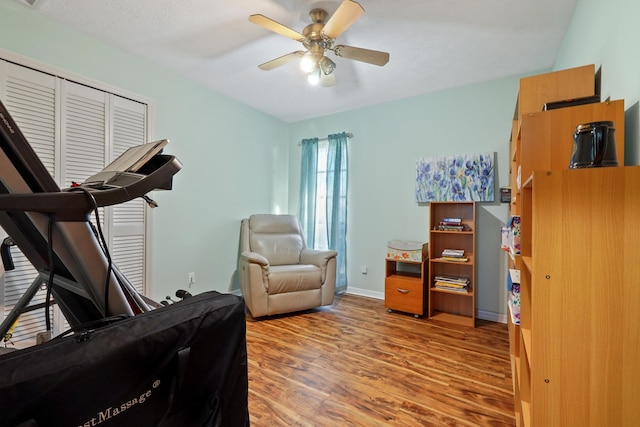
(277, 272)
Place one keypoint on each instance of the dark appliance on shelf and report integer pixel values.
(594, 145)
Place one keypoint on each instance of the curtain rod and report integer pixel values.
(349, 135)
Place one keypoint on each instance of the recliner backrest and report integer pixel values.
(278, 238)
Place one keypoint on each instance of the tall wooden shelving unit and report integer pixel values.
(574, 354)
(580, 345)
(445, 305)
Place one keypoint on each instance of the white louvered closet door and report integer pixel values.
(128, 220)
(83, 135)
(31, 98)
(76, 130)
(96, 128)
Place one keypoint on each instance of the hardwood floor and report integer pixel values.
(354, 364)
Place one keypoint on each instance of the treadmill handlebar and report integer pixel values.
(74, 205)
(5, 253)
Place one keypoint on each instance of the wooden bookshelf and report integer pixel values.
(448, 305)
(578, 339)
(540, 147)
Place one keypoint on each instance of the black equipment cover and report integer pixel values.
(182, 365)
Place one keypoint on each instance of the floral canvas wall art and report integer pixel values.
(458, 178)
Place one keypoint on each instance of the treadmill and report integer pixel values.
(52, 227)
(128, 360)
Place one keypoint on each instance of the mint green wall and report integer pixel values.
(234, 157)
(238, 161)
(607, 34)
(388, 139)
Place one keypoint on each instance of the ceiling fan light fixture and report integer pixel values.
(326, 65)
(310, 59)
(328, 80)
(314, 77)
(307, 63)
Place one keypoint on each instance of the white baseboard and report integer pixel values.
(492, 316)
(481, 314)
(365, 293)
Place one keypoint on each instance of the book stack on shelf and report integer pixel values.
(454, 255)
(452, 224)
(451, 283)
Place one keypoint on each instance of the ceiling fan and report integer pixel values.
(317, 38)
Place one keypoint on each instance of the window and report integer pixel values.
(323, 197)
(320, 237)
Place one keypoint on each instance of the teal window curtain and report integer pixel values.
(337, 204)
(308, 189)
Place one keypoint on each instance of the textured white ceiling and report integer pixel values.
(433, 45)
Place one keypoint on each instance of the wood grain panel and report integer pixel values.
(547, 137)
(535, 91)
(354, 364)
(579, 299)
(404, 294)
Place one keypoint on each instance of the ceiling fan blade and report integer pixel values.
(284, 59)
(347, 13)
(374, 57)
(276, 27)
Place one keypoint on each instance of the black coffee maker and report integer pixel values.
(594, 145)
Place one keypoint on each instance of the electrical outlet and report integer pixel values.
(192, 278)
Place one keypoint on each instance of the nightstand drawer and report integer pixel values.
(404, 294)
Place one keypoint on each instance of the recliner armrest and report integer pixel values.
(254, 258)
(316, 257)
(319, 258)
